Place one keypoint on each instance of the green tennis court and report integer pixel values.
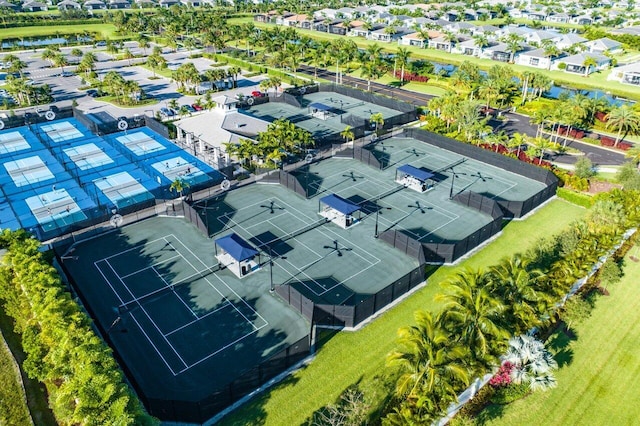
(173, 316)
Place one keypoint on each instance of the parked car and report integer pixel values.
(167, 112)
(93, 93)
(197, 107)
(258, 94)
(188, 108)
(101, 43)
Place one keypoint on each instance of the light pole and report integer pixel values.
(376, 235)
(453, 179)
(272, 287)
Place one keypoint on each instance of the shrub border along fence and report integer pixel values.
(468, 394)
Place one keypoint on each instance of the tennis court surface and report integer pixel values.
(183, 328)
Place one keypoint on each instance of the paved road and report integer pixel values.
(515, 123)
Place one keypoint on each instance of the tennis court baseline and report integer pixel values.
(186, 312)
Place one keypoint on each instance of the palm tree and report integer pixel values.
(533, 363)
(402, 58)
(481, 41)
(371, 71)
(347, 134)
(179, 185)
(60, 61)
(515, 283)
(513, 42)
(589, 62)
(623, 119)
(634, 155)
(128, 55)
(451, 38)
(473, 313)
(378, 119)
(431, 365)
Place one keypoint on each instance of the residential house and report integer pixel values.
(94, 5)
(441, 43)
(33, 6)
(68, 5)
(4, 4)
(298, 21)
(516, 13)
(168, 3)
(566, 41)
(119, 4)
(192, 3)
(575, 63)
(538, 16)
(469, 15)
(333, 27)
(559, 18)
(539, 36)
(280, 18)
(582, 20)
(325, 13)
(145, 3)
(635, 30)
(269, 17)
(451, 16)
(534, 58)
(347, 13)
(603, 45)
(383, 35)
(460, 27)
(486, 30)
(469, 47)
(626, 74)
(413, 39)
(498, 52)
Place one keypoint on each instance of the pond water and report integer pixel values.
(44, 42)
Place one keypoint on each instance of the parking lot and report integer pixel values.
(65, 90)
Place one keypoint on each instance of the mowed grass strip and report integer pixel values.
(13, 407)
(106, 30)
(359, 357)
(600, 382)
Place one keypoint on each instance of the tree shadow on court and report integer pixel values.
(215, 213)
(271, 243)
(379, 153)
(229, 348)
(311, 181)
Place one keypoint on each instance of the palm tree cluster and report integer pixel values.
(127, 92)
(84, 383)
(436, 358)
(281, 139)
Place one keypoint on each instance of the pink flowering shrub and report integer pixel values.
(503, 377)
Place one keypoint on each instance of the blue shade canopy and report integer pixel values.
(340, 204)
(419, 174)
(237, 248)
(320, 106)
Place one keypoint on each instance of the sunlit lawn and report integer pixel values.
(106, 30)
(599, 377)
(359, 357)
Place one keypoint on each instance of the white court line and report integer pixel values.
(198, 319)
(133, 248)
(136, 321)
(233, 291)
(148, 267)
(146, 314)
(173, 289)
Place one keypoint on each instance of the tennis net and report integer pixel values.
(156, 294)
(449, 166)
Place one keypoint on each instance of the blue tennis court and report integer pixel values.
(58, 175)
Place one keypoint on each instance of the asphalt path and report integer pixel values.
(513, 123)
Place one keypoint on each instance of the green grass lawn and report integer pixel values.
(13, 410)
(359, 357)
(13, 407)
(594, 81)
(599, 382)
(106, 30)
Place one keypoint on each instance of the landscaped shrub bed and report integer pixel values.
(84, 383)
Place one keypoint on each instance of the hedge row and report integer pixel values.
(84, 384)
(574, 197)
